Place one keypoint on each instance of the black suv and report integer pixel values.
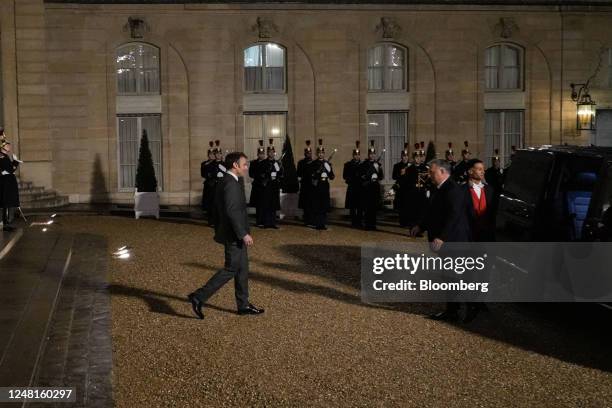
(557, 193)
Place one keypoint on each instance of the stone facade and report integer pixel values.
(59, 81)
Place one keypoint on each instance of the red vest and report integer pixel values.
(480, 204)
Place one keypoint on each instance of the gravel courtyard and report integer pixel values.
(317, 344)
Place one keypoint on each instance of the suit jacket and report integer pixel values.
(446, 216)
(483, 230)
(232, 222)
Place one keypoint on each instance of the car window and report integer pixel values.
(527, 176)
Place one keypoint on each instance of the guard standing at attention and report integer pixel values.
(350, 174)
(303, 175)
(371, 174)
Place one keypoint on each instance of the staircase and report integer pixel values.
(32, 197)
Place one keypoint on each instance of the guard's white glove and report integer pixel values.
(5, 173)
(374, 176)
(220, 174)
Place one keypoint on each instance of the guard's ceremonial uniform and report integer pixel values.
(9, 189)
(217, 171)
(371, 173)
(270, 200)
(304, 177)
(257, 171)
(321, 173)
(350, 174)
(208, 173)
(460, 170)
(405, 181)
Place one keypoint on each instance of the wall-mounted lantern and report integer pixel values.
(585, 107)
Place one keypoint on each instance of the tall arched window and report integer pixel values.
(138, 69)
(387, 68)
(138, 110)
(503, 66)
(264, 68)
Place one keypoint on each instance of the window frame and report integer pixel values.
(388, 159)
(503, 155)
(500, 67)
(280, 138)
(160, 176)
(385, 67)
(263, 68)
(139, 84)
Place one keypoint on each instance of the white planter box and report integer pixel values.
(146, 204)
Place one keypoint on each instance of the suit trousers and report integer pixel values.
(237, 267)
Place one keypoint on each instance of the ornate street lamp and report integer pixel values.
(585, 107)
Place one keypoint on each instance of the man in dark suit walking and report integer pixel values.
(445, 219)
(231, 230)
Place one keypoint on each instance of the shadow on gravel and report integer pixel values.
(158, 302)
(576, 333)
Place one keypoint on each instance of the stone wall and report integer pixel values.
(66, 80)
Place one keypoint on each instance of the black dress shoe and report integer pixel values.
(250, 310)
(445, 316)
(8, 228)
(322, 228)
(196, 305)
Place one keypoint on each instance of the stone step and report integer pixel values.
(57, 201)
(38, 196)
(31, 189)
(25, 184)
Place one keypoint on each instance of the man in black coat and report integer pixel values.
(459, 172)
(257, 171)
(405, 182)
(208, 173)
(350, 174)
(494, 177)
(231, 230)
(304, 177)
(445, 219)
(9, 189)
(270, 197)
(321, 173)
(370, 174)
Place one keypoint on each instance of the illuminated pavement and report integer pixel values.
(317, 344)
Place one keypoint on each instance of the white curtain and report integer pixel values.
(491, 67)
(128, 151)
(137, 69)
(395, 68)
(130, 132)
(376, 68)
(264, 68)
(152, 124)
(397, 136)
(511, 63)
(492, 135)
(503, 129)
(264, 127)
(513, 132)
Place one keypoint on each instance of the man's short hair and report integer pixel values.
(233, 157)
(472, 162)
(443, 164)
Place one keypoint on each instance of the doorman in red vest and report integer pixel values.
(480, 206)
(480, 202)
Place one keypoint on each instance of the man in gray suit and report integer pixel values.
(231, 230)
